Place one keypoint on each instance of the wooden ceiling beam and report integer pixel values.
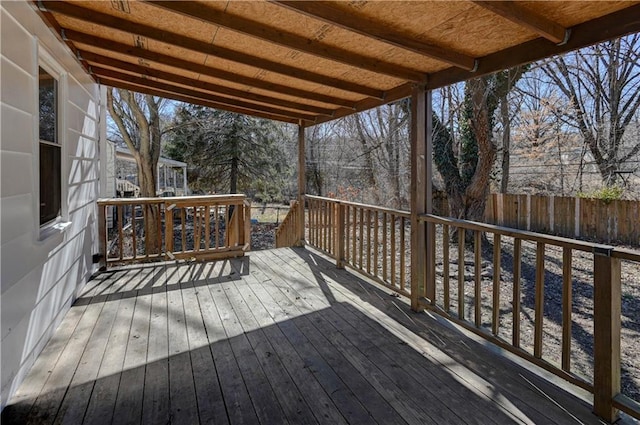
(144, 54)
(519, 15)
(223, 102)
(616, 24)
(195, 101)
(368, 28)
(289, 40)
(95, 59)
(179, 40)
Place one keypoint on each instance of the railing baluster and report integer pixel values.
(361, 236)
(134, 228)
(517, 264)
(566, 308)
(217, 226)
(168, 217)
(369, 241)
(354, 236)
(477, 248)
(403, 273)
(183, 227)
(445, 267)
(376, 228)
(120, 232)
(539, 301)
(159, 228)
(145, 226)
(461, 300)
(393, 250)
(207, 227)
(384, 246)
(495, 308)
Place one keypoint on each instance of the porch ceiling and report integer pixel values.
(310, 62)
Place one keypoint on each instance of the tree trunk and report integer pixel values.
(506, 143)
(234, 175)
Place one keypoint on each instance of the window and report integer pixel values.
(50, 149)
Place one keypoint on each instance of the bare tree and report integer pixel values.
(603, 85)
(138, 120)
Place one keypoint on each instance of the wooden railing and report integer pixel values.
(287, 232)
(372, 240)
(146, 229)
(553, 301)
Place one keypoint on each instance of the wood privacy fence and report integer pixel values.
(503, 292)
(145, 229)
(582, 218)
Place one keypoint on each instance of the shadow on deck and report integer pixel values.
(276, 337)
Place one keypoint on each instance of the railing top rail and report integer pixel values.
(537, 237)
(400, 213)
(235, 198)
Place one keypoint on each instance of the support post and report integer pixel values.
(102, 236)
(302, 184)
(419, 112)
(606, 333)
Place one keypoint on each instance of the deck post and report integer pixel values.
(302, 184)
(340, 240)
(606, 334)
(420, 188)
(102, 236)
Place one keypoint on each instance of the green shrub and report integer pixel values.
(606, 194)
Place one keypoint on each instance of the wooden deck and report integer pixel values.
(276, 337)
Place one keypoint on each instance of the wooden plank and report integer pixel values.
(233, 388)
(75, 402)
(267, 408)
(319, 401)
(120, 232)
(292, 401)
(156, 400)
(495, 307)
(376, 250)
(19, 406)
(461, 295)
(567, 304)
(358, 401)
(211, 408)
(356, 328)
(340, 235)
(128, 405)
(182, 397)
(207, 227)
(517, 264)
(183, 226)
(134, 227)
(361, 238)
(347, 233)
(539, 300)
(103, 398)
(53, 391)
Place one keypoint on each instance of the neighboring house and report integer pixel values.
(171, 175)
(50, 148)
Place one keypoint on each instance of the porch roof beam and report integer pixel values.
(137, 52)
(368, 28)
(171, 88)
(519, 15)
(198, 101)
(95, 60)
(179, 40)
(289, 39)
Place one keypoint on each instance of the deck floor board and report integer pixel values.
(278, 336)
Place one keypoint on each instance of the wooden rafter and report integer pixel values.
(330, 14)
(211, 71)
(539, 24)
(93, 59)
(287, 39)
(183, 41)
(196, 101)
(195, 94)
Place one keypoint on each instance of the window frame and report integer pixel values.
(46, 61)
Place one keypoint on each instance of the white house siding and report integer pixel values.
(40, 278)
